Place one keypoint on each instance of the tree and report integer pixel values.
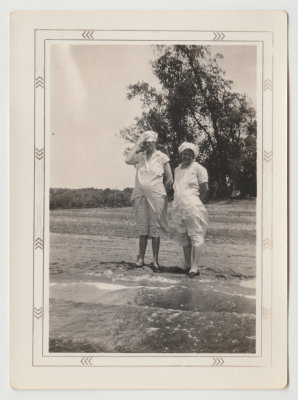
(196, 103)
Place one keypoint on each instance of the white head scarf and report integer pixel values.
(190, 146)
(150, 136)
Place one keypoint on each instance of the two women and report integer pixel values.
(153, 180)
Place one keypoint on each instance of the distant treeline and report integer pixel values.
(89, 198)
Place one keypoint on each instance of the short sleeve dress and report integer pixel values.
(189, 214)
(149, 198)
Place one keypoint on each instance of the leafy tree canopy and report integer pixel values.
(195, 103)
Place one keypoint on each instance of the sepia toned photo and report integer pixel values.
(153, 192)
(149, 246)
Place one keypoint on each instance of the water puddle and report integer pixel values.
(197, 296)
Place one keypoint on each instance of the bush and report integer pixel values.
(89, 198)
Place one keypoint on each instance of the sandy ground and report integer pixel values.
(98, 303)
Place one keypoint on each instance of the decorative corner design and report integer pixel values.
(217, 361)
(86, 361)
(267, 85)
(39, 82)
(218, 35)
(268, 156)
(38, 312)
(88, 35)
(38, 243)
(39, 153)
(266, 313)
(267, 243)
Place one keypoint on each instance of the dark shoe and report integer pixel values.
(138, 265)
(193, 274)
(184, 269)
(135, 266)
(155, 268)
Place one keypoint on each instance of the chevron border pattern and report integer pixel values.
(218, 35)
(39, 82)
(38, 244)
(267, 243)
(267, 85)
(38, 312)
(88, 35)
(268, 156)
(217, 361)
(87, 361)
(39, 153)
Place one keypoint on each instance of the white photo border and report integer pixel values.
(43, 40)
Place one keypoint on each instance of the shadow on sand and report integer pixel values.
(130, 265)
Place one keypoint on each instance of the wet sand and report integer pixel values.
(98, 303)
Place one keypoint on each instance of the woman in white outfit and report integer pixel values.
(149, 198)
(189, 214)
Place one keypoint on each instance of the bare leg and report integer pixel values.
(155, 250)
(187, 257)
(142, 250)
(196, 253)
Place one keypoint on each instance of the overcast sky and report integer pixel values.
(89, 107)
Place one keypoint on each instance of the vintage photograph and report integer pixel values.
(153, 187)
(148, 200)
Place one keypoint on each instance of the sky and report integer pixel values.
(89, 107)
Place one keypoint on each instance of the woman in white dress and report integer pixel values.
(149, 198)
(189, 214)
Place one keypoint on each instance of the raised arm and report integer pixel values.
(132, 156)
(168, 181)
